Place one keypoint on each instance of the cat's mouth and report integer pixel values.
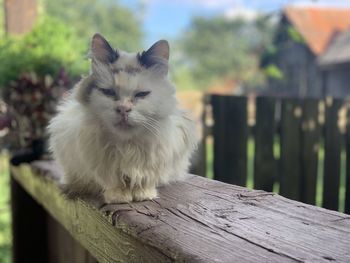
(124, 124)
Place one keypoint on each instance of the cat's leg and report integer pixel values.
(117, 191)
(144, 193)
(117, 195)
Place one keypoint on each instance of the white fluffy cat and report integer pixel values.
(120, 132)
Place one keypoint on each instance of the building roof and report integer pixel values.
(318, 25)
(338, 51)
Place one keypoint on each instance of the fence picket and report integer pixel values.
(333, 141)
(230, 139)
(290, 149)
(310, 143)
(264, 161)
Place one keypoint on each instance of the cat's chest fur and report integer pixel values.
(108, 159)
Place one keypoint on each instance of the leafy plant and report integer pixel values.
(272, 71)
(295, 35)
(48, 48)
(113, 20)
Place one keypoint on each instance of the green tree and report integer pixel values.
(117, 23)
(48, 48)
(218, 48)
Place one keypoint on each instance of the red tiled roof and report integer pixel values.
(318, 25)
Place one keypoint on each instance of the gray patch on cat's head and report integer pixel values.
(156, 56)
(127, 69)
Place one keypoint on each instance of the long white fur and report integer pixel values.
(124, 165)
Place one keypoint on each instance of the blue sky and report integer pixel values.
(169, 18)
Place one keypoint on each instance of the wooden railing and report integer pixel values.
(197, 220)
(299, 129)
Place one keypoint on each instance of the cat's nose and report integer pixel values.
(123, 110)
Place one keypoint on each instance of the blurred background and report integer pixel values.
(255, 75)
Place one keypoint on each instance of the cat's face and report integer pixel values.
(130, 93)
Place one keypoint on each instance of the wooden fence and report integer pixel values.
(299, 128)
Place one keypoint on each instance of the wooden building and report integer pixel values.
(311, 52)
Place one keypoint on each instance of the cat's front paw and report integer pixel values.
(117, 195)
(144, 194)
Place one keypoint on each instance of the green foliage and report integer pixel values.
(117, 23)
(272, 71)
(284, 36)
(294, 35)
(5, 216)
(183, 78)
(49, 47)
(221, 48)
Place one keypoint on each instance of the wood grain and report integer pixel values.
(198, 220)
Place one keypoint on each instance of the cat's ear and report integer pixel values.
(157, 54)
(101, 50)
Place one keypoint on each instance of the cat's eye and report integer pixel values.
(142, 94)
(107, 92)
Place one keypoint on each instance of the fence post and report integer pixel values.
(29, 228)
(332, 150)
(230, 134)
(290, 149)
(310, 143)
(264, 161)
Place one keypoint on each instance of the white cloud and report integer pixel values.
(213, 4)
(241, 12)
(208, 4)
(336, 3)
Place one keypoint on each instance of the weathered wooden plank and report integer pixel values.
(290, 148)
(264, 161)
(62, 247)
(28, 227)
(230, 133)
(310, 144)
(333, 145)
(198, 220)
(347, 149)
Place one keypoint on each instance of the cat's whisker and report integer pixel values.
(153, 128)
(155, 133)
(152, 119)
(152, 122)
